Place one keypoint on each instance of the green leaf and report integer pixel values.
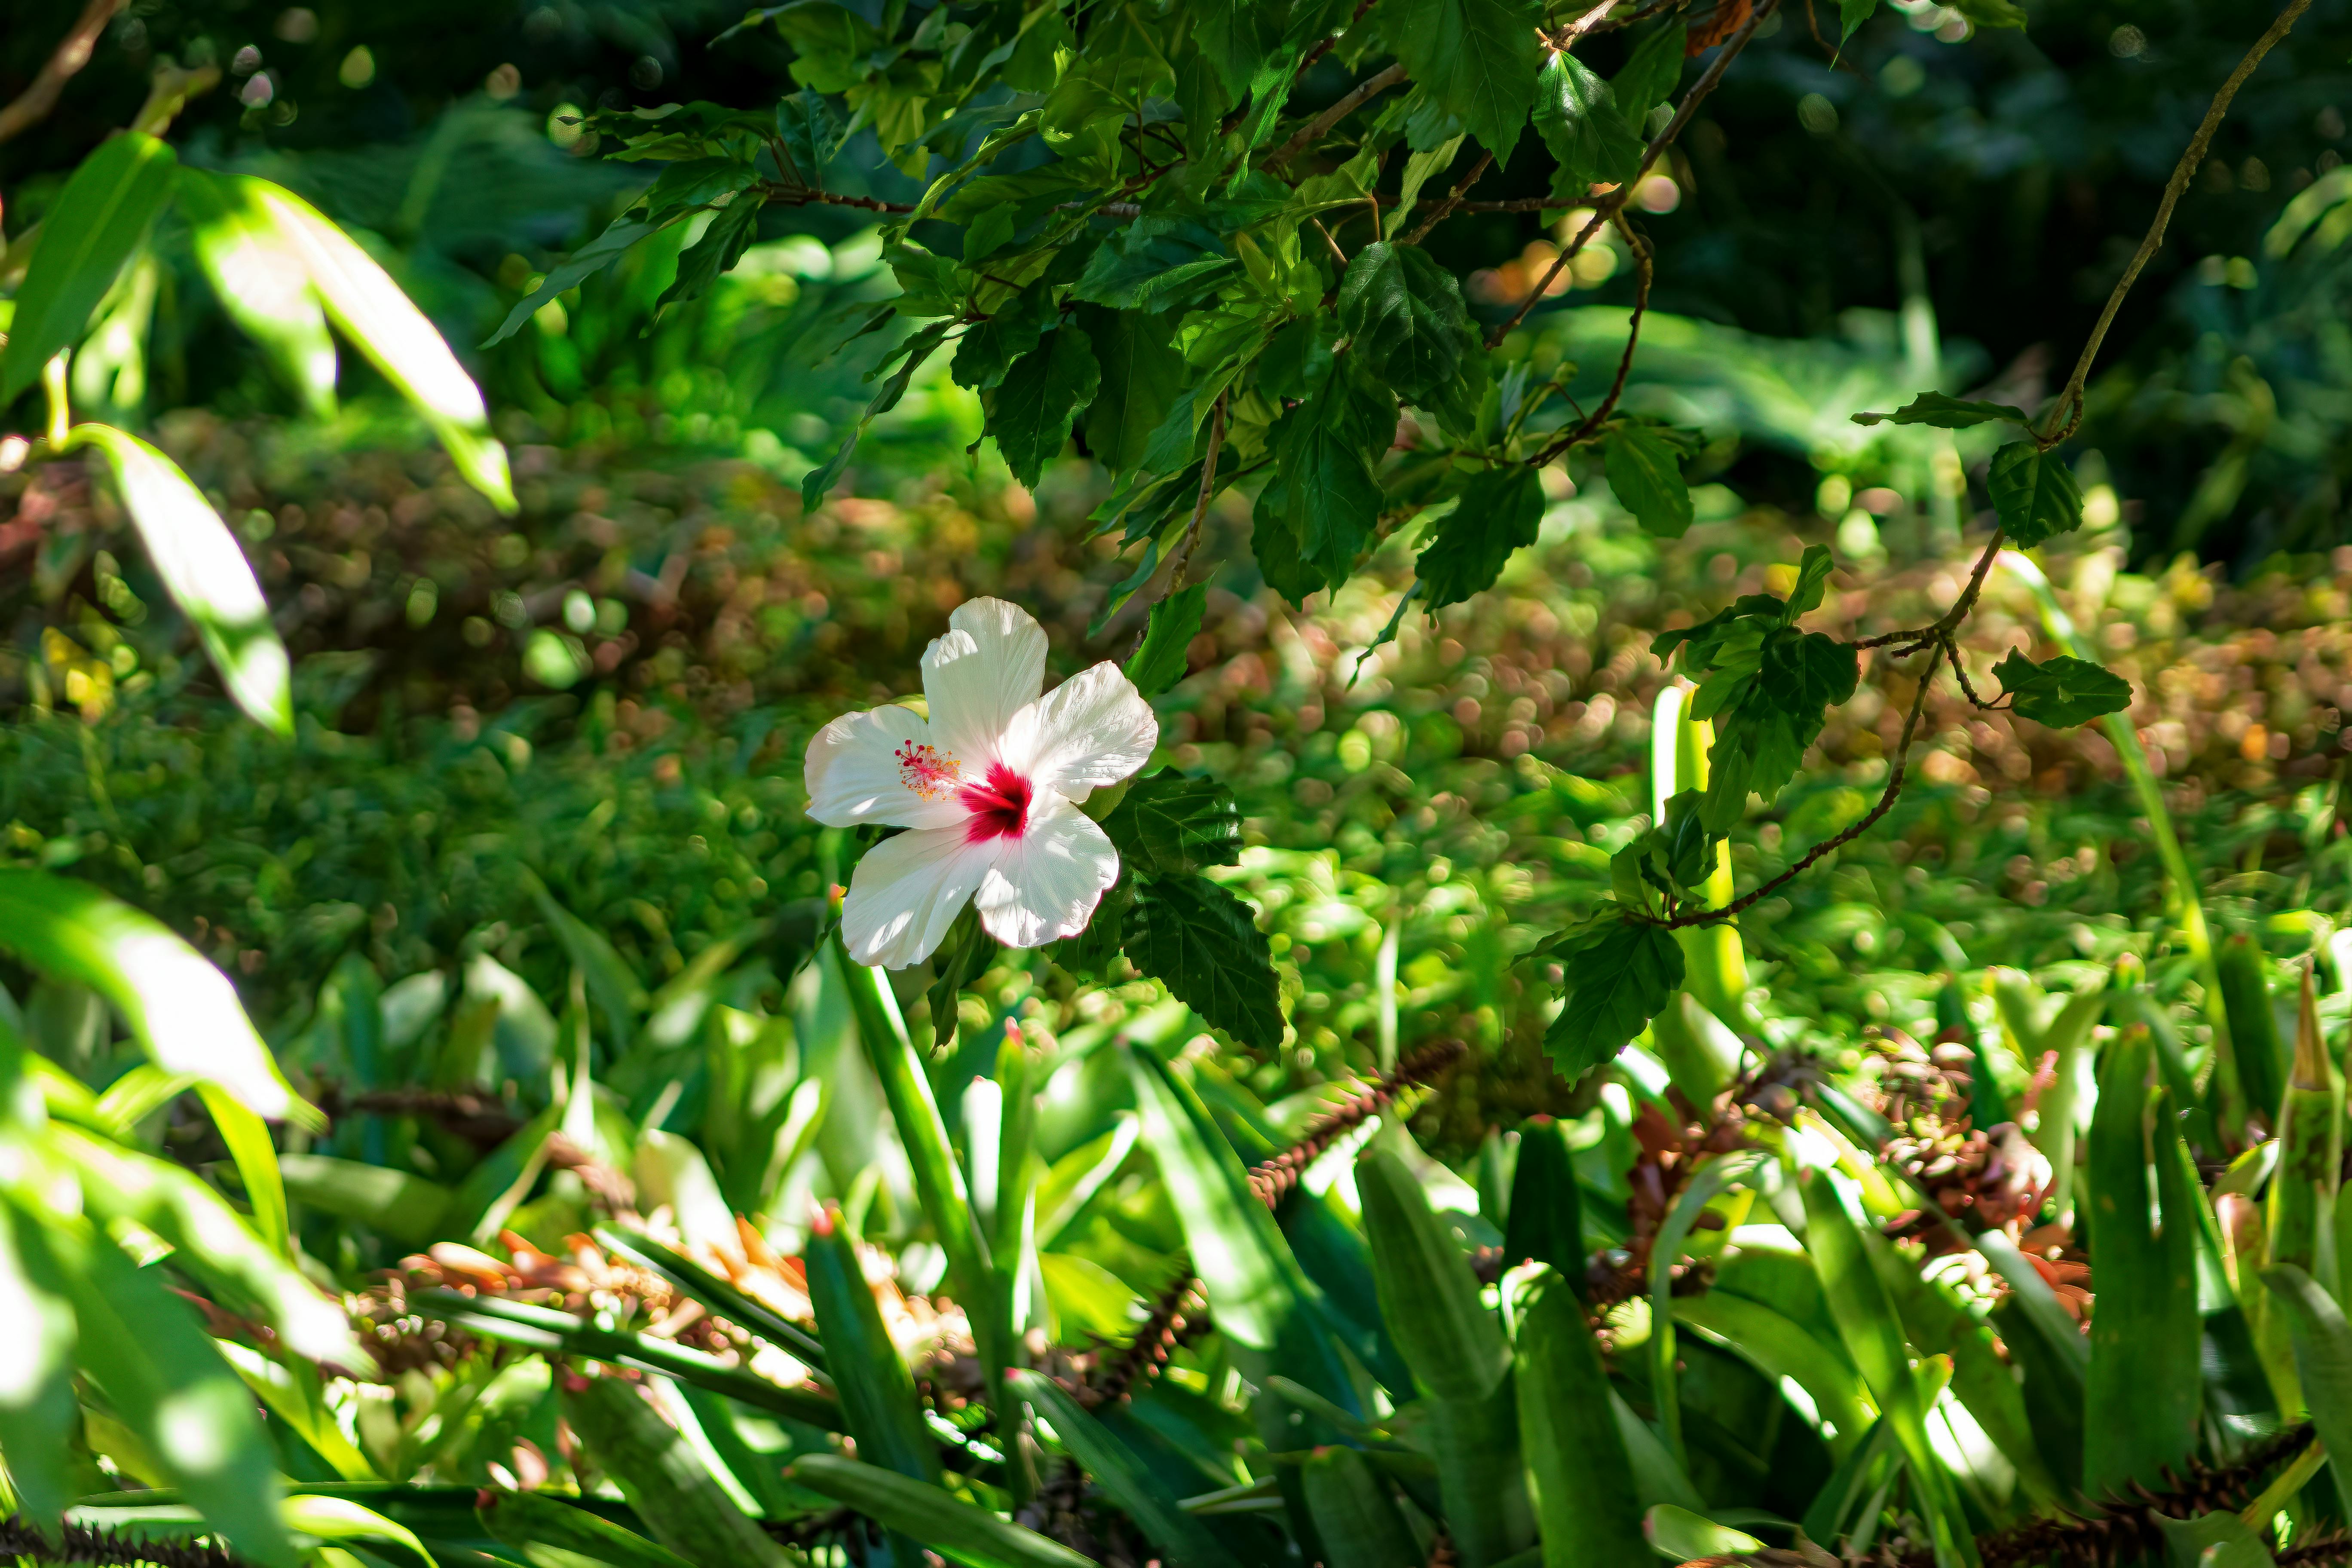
(165, 1381)
(363, 302)
(2145, 1382)
(1040, 394)
(1158, 662)
(619, 236)
(1946, 413)
(730, 234)
(1679, 1535)
(1577, 1470)
(203, 569)
(1499, 511)
(1853, 14)
(1577, 117)
(404, 1206)
(1778, 1347)
(1545, 1219)
(1169, 825)
(1154, 264)
(719, 1294)
(95, 225)
(1618, 972)
(2034, 494)
(1325, 500)
(878, 1391)
(1355, 1512)
(37, 1409)
(959, 960)
(530, 1521)
(818, 481)
(1651, 73)
(1476, 58)
(988, 348)
(956, 1529)
(327, 1518)
(811, 133)
(1645, 473)
(1236, 36)
(1203, 945)
(2219, 1539)
(2323, 1359)
(1402, 312)
(259, 282)
(2061, 692)
(1141, 373)
(246, 1137)
(1139, 1492)
(1428, 1295)
(1869, 1326)
(182, 1010)
(668, 1484)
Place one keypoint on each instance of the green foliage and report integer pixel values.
(1618, 971)
(2063, 691)
(104, 214)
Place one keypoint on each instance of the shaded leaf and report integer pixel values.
(1159, 661)
(1645, 473)
(1141, 373)
(1578, 1468)
(2034, 493)
(1031, 411)
(1203, 945)
(1946, 413)
(955, 1529)
(1428, 1295)
(1650, 74)
(1576, 115)
(1618, 972)
(2061, 692)
(1402, 311)
(1476, 59)
(1499, 511)
(591, 259)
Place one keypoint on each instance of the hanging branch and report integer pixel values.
(73, 51)
(1592, 421)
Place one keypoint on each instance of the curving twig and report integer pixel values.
(2069, 407)
(73, 51)
(1592, 422)
(1607, 206)
(1447, 208)
(1312, 132)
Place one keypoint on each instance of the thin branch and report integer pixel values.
(1608, 205)
(73, 51)
(778, 195)
(1308, 62)
(1183, 561)
(1592, 422)
(2071, 399)
(1951, 618)
(1869, 820)
(1444, 210)
(1312, 132)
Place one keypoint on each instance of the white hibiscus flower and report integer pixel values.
(988, 787)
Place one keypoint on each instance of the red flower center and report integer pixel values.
(999, 806)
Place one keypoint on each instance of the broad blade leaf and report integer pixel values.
(1111, 1465)
(1428, 1297)
(1577, 1467)
(877, 1392)
(1476, 58)
(1577, 117)
(94, 225)
(669, 1485)
(522, 1520)
(956, 1529)
(1404, 313)
(260, 281)
(205, 572)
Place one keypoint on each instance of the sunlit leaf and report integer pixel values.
(260, 281)
(95, 225)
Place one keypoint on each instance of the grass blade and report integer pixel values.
(1578, 1470)
(960, 1531)
(93, 226)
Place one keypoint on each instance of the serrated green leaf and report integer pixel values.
(204, 571)
(810, 132)
(1946, 413)
(1650, 73)
(95, 225)
(1154, 264)
(1203, 945)
(1325, 496)
(1160, 660)
(1576, 114)
(1031, 411)
(722, 245)
(1499, 511)
(1645, 473)
(1618, 972)
(2034, 494)
(988, 348)
(1852, 14)
(1476, 58)
(1142, 374)
(1168, 825)
(2061, 692)
(1404, 313)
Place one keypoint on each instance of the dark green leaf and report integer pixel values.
(1853, 14)
(1202, 944)
(1617, 972)
(2322, 1359)
(1040, 394)
(1141, 373)
(1355, 1512)
(721, 246)
(1804, 672)
(1160, 661)
(1813, 570)
(810, 132)
(1089, 953)
(1171, 826)
(2061, 692)
(1645, 471)
(1324, 492)
(1428, 1293)
(1650, 74)
(1499, 512)
(1402, 311)
(95, 225)
(1577, 117)
(693, 185)
(877, 1392)
(1577, 1465)
(961, 959)
(670, 1484)
(2034, 494)
(36, 1402)
(817, 481)
(1155, 264)
(2217, 1539)
(963, 1533)
(1546, 1217)
(988, 348)
(1476, 58)
(1235, 36)
(522, 1520)
(1140, 1493)
(1945, 413)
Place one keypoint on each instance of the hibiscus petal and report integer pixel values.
(857, 771)
(1092, 729)
(990, 665)
(1046, 883)
(907, 891)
